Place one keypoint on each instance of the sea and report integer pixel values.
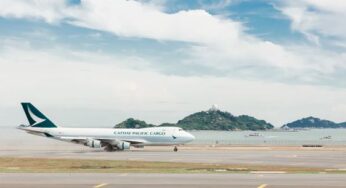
(273, 137)
(12, 138)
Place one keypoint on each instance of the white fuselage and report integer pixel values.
(144, 136)
(110, 139)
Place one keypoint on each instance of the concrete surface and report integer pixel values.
(64, 180)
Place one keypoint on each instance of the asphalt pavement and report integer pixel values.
(55, 180)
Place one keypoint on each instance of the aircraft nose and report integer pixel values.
(191, 137)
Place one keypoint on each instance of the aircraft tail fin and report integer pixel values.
(36, 118)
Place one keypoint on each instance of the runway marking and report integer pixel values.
(335, 169)
(268, 172)
(124, 174)
(285, 156)
(136, 159)
(100, 185)
(262, 186)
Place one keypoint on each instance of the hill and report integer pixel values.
(133, 123)
(212, 119)
(219, 120)
(313, 122)
(343, 125)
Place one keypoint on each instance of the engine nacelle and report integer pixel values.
(93, 143)
(123, 145)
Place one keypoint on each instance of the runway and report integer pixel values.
(303, 158)
(325, 157)
(49, 180)
(25, 145)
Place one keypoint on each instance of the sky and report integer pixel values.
(94, 63)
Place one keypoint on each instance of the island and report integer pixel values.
(313, 122)
(212, 119)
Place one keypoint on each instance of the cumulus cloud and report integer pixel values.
(316, 19)
(137, 20)
(50, 11)
(128, 18)
(216, 42)
(68, 77)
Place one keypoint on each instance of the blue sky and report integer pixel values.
(161, 60)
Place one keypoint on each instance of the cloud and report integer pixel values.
(128, 18)
(316, 19)
(218, 43)
(133, 19)
(49, 11)
(72, 83)
(118, 87)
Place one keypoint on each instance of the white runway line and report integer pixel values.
(100, 185)
(262, 186)
(268, 172)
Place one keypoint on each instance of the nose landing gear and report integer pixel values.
(175, 149)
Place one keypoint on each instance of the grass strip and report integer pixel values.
(45, 165)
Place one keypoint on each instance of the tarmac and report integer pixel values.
(284, 156)
(66, 180)
(328, 158)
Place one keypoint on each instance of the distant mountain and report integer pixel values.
(212, 119)
(254, 124)
(343, 125)
(219, 120)
(133, 123)
(312, 122)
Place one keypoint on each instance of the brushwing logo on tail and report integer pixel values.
(34, 117)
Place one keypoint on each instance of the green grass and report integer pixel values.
(44, 165)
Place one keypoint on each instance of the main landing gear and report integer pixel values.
(109, 148)
(175, 149)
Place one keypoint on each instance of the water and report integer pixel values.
(312, 136)
(12, 138)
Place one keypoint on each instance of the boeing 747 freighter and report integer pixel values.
(108, 138)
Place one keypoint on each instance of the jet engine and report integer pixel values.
(123, 145)
(93, 143)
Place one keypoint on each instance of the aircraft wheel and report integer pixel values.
(175, 149)
(109, 148)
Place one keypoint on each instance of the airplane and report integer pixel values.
(110, 139)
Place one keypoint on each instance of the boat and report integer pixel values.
(326, 137)
(253, 135)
